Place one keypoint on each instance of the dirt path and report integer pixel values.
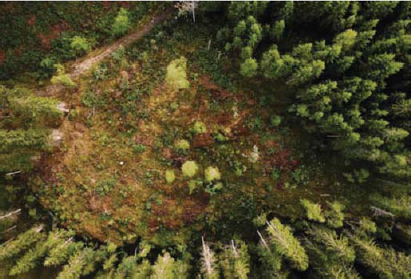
(85, 64)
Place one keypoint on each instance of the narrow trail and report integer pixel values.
(85, 64)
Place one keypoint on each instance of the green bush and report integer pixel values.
(176, 76)
(170, 176)
(80, 45)
(199, 127)
(212, 173)
(313, 211)
(189, 168)
(275, 121)
(182, 144)
(62, 78)
(121, 23)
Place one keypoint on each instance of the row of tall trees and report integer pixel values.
(317, 247)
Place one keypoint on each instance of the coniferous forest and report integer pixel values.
(205, 139)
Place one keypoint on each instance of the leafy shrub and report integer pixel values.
(335, 216)
(121, 23)
(62, 78)
(189, 168)
(103, 187)
(249, 67)
(139, 148)
(119, 54)
(275, 174)
(220, 137)
(47, 67)
(170, 176)
(199, 127)
(183, 144)
(275, 121)
(212, 173)
(80, 45)
(313, 211)
(176, 76)
(100, 73)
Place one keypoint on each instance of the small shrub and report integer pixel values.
(335, 216)
(47, 67)
(62, 78)
(275, 121)
(189, 168)
(212, 173)
(170, 176)
(313, 211)
(103, 187)
(121, 23)
(80, 45)
(220, 137)
(275, 174)
(176, 76)
(199, 127)
(100, 73)
(249, 67)
(183, 144)
(138, 148)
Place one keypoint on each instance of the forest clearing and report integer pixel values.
(205, 140)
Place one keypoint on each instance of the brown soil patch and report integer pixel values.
(55, 32)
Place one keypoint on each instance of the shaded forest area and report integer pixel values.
(231, 140)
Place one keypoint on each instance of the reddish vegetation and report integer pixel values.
(18, 51)
(203, 140)
(144, 140)
(100, 205)
(31, 20)
(54, 33)
(193, 208)
(167, 153)
(215, 91)
(2, 56)
(106, 5)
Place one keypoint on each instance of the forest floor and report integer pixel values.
(107, 180)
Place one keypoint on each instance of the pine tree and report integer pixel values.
(337, 246)
(235, 260)
(270, 259)
(76, 264)
(34, 255)
(383, 262)
(286, 244)
(30, 259)
(313, 211)
(209, 267)
(23, 242)
(167, 267)
(334, 215)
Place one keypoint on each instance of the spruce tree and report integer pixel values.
(209, 265)
(23, 242)
(286, 244)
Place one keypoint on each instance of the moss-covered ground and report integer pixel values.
(108, 180)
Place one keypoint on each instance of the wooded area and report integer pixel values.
(207, 140)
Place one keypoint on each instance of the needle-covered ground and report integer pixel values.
(156, 147)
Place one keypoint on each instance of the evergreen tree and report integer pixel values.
(313, 211)
(286, 244)
(23, 242)
(209, 267)
(167, 267)
(235, 260)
